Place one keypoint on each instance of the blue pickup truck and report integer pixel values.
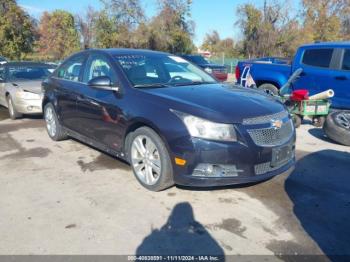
(325, 66)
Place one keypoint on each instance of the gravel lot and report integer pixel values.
(67, 198)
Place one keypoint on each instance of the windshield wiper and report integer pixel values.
(156, 85)
(193, 83)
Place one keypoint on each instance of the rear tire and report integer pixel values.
(269, 89)
(150, 160)
(12, 109)
(53, 126)
(337, 127)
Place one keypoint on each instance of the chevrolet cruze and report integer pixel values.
(172, 121)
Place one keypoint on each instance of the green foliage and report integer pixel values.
(270, 30)
(217, 46)
(16, 30)
(58, 36)
(172, 30)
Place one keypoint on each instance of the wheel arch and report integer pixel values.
(136, 124)
(262, 82)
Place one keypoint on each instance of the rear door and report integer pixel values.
(316, 64)
(67, 82)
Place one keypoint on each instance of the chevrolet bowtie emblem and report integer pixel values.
(276, 123)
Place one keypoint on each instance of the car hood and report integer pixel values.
(217, 102)
(29, 86)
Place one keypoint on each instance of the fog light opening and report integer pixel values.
(214, 170)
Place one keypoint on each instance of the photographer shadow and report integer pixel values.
(181, 235)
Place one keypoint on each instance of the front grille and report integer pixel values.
(265, 119)
(265, 168)
(272, 136)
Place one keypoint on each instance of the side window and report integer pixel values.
(98, 66)
(71, 69)
(318, 57)
(346, 60)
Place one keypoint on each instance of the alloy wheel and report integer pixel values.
(50, 122)
(145, 159)
(343, 119)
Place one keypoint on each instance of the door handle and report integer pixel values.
(81, 98)
(341, 78)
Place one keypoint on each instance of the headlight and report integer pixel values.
(27, 95)
(201, 128)
(208, 70)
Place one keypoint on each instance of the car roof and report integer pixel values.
(328, 44)
(127, 51)
(28, 64)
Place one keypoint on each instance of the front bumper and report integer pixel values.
(28, 106)
(244, 157)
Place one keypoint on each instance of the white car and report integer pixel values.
(20, 87)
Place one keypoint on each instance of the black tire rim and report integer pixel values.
(343, 119)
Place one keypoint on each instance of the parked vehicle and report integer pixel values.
(220, 72)
(325, 66)
(169, 128)
(20, 87)
(3, 60)
(337, 127)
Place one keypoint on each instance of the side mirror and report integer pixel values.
(102, 82)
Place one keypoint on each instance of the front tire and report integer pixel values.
(150, 160)
(53, 126)
(12, 109)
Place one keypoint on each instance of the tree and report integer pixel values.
(86, 25)
(58, 36)
(217, 46)
(322, 19)
(172, 30)
(249, 22)
(117, 22)
(17, 33)
(269, 30)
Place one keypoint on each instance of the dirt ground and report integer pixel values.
(67, 198)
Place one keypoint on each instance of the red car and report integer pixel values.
(218, 71)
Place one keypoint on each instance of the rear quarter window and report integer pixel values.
(318, 57)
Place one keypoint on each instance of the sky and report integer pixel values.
(208, 15)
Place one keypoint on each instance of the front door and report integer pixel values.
(341, 80)
(316, 65)
(99, 110)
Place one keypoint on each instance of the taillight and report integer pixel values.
(238, 73)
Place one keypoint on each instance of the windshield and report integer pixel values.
(20, 73)
(197, 59)
(161, 70)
